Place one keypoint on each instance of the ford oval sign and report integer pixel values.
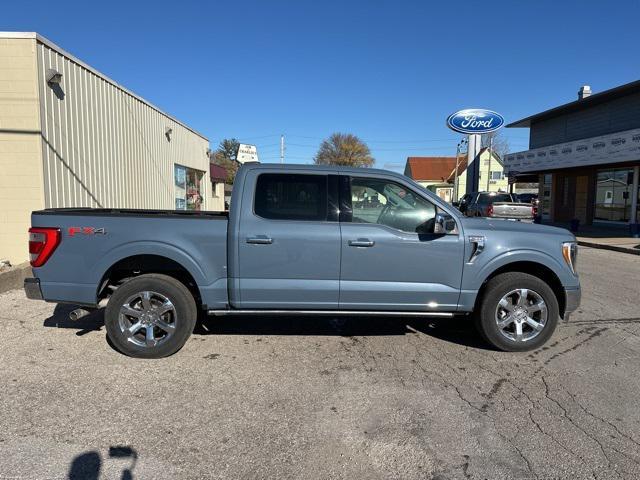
(475, 120)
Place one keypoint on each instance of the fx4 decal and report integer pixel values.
(73, 231)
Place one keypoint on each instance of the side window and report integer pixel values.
(291, 197)
(388, 203)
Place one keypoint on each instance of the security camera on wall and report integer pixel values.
(54, 77)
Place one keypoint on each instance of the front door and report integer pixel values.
(565, 198)
(391, 260)
(288, 243)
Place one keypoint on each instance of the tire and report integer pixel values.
(525, 324)
(150, 316)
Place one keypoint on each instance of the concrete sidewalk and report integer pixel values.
(617, 244)
(13, 277)
(614, 238)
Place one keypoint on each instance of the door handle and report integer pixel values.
(260, 240)
(361, 242)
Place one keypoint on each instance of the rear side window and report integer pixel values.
(291, 197)
(488, 198)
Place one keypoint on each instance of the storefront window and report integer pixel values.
(188, 184)
(180, 176)
(613, 195)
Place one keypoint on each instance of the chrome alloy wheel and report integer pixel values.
(521, 315)
(147, 319)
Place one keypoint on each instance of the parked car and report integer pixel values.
(294, 244)
(495, 205)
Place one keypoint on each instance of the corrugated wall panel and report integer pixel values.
(610, 117)
(103, 147)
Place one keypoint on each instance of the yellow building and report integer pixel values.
(438, 174)
(72, 137)
(491, 179)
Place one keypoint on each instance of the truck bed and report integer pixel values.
(128, 212)
(92, 241)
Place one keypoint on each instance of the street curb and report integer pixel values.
(613, 248)
(14, 278)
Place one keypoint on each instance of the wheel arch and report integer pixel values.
(140, 264)
(533, 268)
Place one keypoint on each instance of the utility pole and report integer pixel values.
(455, 173)
(281, 148)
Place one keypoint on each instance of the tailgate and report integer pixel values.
(512, 210)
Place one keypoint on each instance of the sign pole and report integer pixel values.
(490, 159)
(473, 147)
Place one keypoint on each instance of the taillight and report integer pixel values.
(490, 210)
(534, 210)
(42, 242)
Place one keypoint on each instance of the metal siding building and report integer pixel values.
(85, 142)
(586, 156)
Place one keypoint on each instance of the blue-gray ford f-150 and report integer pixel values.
(305, 239)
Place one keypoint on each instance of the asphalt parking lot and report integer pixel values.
(321, 398)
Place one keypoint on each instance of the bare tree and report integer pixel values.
(344, 149)
(499, 145)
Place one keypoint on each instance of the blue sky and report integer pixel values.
(387, 71)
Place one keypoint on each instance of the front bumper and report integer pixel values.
(572, 300)
(32, 288)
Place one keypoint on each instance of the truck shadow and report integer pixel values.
(92, 322)
(454, 330)
(460, 331)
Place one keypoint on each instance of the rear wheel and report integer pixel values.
(150, 316)
(519, 312)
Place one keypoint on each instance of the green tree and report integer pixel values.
(225, 156)
(344, 149)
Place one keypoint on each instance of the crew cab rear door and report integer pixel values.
(391, 260)
(288, 242)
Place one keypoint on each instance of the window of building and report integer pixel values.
(613, 194)
(180, 178)
(390, 204)
(291, 197)
(188, 188)
(496, 175)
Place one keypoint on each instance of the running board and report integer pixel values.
(368, 313)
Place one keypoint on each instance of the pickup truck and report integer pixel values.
(304, 240)
(495, 205)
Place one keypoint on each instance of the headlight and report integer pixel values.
(570, 255)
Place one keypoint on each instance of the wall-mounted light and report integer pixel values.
(54, 77)
(167, 133)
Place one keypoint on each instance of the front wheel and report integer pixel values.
(150, 316)
(518, 312)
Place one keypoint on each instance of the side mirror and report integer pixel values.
(444, 225)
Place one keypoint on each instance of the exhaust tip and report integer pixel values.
(78, 313)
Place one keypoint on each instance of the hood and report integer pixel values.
(475, 226)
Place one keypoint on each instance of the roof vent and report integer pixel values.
(584, 92)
